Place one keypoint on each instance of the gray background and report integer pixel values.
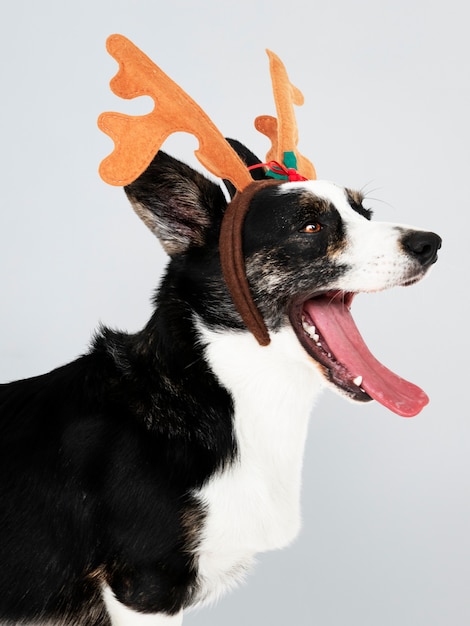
(386, 506)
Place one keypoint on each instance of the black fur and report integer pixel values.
(98, 458)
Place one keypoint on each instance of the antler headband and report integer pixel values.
(137, 139)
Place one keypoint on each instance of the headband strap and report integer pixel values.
(233, 261)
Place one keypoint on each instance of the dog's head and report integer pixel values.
(292, 255)
(308, 248)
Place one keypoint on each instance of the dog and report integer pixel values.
(142, 478)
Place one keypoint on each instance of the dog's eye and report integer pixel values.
(311, 227)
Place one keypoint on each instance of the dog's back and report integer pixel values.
(98, 461)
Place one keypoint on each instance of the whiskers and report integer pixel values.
(343, 297)
(368, 198)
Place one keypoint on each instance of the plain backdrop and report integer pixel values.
(385, 538)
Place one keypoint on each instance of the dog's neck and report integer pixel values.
(280, 371)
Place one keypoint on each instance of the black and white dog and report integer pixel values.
(142, 478)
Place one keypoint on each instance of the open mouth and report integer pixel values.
(326, 330)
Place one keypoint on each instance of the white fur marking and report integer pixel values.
(254, 505)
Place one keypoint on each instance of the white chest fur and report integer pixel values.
(254, 505)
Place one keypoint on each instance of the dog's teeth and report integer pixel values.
(358, 381)
(310, 330)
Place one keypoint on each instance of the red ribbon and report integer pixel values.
(280, 170)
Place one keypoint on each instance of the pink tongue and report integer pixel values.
(336, 325)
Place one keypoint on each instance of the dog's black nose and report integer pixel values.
(423, 246)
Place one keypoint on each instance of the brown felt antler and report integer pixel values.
(283, 131)
(137, 139)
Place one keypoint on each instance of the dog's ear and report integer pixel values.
(177, 203)
(249, 159)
